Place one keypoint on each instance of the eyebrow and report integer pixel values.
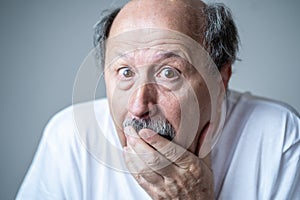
(163, 55)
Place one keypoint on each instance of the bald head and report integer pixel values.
(184, 16)
(211, 25)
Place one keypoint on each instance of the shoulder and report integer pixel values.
(70, 117)
(261, 107)
(261, 143)
(268, 118)
(68, 126)
(62, 161)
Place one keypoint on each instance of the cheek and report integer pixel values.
(181, 109)
(190, 120)
(204, 102)
(170, 107)
(202, 97)
(117, 100)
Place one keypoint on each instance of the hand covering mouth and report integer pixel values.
(162, 127)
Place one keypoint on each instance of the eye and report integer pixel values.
(168, 73)
(126, 72)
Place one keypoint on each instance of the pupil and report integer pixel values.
(127, 73)
(169, 73)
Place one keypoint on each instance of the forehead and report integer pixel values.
(148, 55)
(146, 46)
(156, 41)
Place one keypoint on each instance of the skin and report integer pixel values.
(137, 88)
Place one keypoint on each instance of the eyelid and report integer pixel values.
(175, 70)
(125, 67)
(170, 67)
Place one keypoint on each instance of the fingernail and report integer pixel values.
(130, 140)
(130, 131)
(127, 131)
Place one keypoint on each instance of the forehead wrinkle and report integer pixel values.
(163, 48)
(153, 58)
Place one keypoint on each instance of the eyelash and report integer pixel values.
(175, 70)
(125, 68)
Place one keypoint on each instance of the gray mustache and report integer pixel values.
(161, 127)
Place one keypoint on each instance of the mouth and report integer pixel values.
(162, 127)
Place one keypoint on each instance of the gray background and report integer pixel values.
(42, 44)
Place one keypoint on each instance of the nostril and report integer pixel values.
(147, 112)
(145, 115)
(152, 111)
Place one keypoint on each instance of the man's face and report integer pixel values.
(157, 75)
(150, 78)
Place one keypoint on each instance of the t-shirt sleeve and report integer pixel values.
(47, 173)
(265, 160)
(287, 182)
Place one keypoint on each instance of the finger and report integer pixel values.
(150, 156)
(185, 172)
(153, 159)
(152, 182)
(134, 164)
(173, 152)
(184, 162)
(160, 161)
(139, 169)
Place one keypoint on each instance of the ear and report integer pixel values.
(226, 73)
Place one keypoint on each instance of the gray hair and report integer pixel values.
(221, 38)
(162, 127)
(101, 32)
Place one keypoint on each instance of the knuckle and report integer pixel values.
(153, 160)
(156, 162)
(184, 160)
(138, 178)
(144, 171)
(196, 170)
(171, 153)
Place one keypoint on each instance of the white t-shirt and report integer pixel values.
(257, 155)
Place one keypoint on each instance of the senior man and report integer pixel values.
(169, 128)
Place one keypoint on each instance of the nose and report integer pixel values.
(142, 103)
